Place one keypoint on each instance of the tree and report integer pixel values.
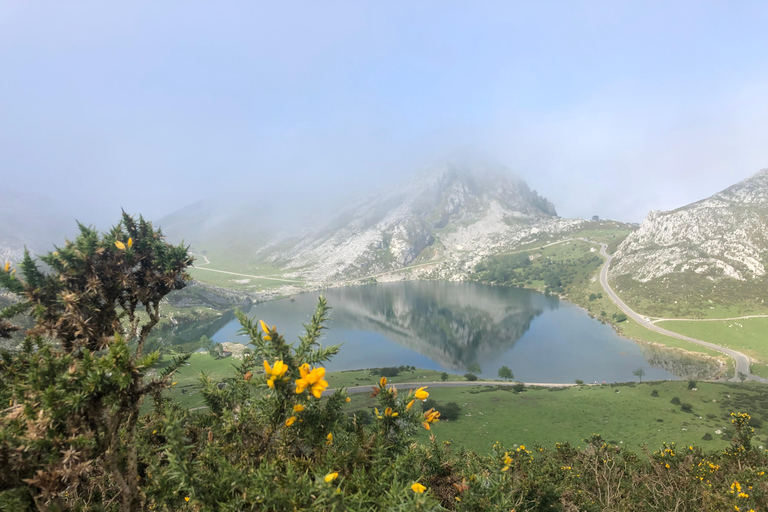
(595, 218)
(470, 376)
(505, 373)
(742, 376)
(639, 373)
(444, 376)
(474, 368)
(83, 393)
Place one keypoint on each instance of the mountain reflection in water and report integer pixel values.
(448, 326)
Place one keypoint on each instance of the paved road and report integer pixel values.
(448, 384)
(742, 361)
(707, 319)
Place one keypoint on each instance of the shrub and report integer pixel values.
(519, 387)
(655, 393)
(686, 407)
(449, 411)
(444, 376)
(390, 371)
(470, 376)
(691, 384)
(675, 401)
(579, 382)
(707, 437)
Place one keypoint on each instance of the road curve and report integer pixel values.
(742, 361)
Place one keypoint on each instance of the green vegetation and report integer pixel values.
(557, 269)
(746, 335)
(689, 295)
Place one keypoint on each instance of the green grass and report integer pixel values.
(688, 295)
(625, 415)
(352, 378)
(222, 260)
(747, 336)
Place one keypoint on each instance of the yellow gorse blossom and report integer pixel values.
(120, 245)
(275, 372)
(389, 412)
(312, 379)
(290, 421)
(298, 408)
(330, 477)
(7, 266)
(431, 416)
(347, 399)
(420, 394)
(417, 487)
(382, 382)
(410, 404)
(329, 439)
(130, 242)
(267, 332)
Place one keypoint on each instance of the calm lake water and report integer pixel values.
(448, 326)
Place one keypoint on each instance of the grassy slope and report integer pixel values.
(221, 260)
(747, 336)
(689, 295)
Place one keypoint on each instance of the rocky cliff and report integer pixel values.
(721, 237)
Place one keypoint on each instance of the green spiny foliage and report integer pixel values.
(69, 433)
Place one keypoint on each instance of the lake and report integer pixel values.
(448, 326)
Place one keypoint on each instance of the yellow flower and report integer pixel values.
(290, 421)
(382, 382)
(347, 399)
(186, 498)
(264, 327)
(312, 379)
(120, 245)
(431, 416)
(298, 408)
(417, 487)
(275, 372)
(7, 266)
(174, 383)
(376, 410)
(410, 404)
(329, 438)
(130, 242)
(389, 412)
(330, 477)
(421, 394)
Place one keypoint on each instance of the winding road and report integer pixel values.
(742, 361)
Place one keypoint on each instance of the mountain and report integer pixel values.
(708, 250)
(448, 213)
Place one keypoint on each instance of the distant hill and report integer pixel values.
(709, 253)
(31, 220)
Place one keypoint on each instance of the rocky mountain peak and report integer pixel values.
(447, 206)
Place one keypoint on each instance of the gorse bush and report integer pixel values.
(273, 437)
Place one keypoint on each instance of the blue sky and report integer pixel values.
(609, 108)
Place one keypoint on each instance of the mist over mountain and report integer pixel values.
(33, 221)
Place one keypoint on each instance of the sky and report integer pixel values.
(606, 108)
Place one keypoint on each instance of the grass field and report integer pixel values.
(227, 262)
(625, 414)
(749, 336)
